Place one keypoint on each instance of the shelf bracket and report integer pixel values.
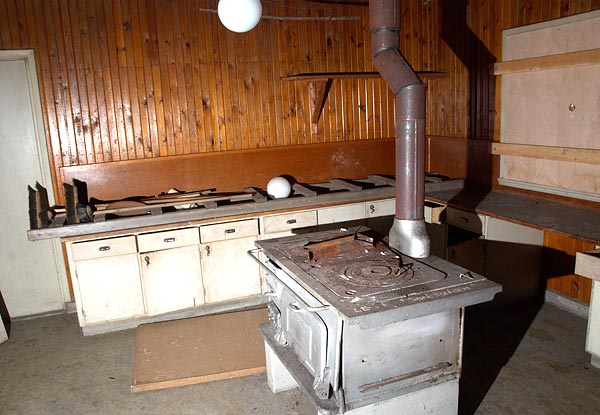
(318, 91)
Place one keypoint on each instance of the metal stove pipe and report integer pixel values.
(408, 233)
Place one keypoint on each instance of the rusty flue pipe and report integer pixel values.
(408, 233)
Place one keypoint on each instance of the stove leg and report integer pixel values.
(440, 399)
(278, 376)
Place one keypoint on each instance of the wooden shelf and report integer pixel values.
(540, 63)
(319, 84)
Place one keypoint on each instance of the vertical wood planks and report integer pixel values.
(124, 80)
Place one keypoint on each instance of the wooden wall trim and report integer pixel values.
(234, 170)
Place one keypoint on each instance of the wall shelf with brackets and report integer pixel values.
(319, 84)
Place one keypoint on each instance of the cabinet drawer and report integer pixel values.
(341, 213)
(381, 208)
(469, 221)
(434, 212)
(104, 248)
(229, 230)
(168, 239)
(289, 221)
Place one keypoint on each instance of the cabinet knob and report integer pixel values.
(147, 260)
(207, 248)
(372, 208)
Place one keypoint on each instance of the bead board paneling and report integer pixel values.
(133, 79)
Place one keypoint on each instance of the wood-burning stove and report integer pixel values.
(357, 323)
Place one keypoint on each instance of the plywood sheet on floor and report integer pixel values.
(199, 349)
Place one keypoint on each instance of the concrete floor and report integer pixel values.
(518, 360)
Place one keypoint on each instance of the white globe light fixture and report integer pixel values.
(239, 15)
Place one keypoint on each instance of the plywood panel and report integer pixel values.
(200, 349)
(536, 106)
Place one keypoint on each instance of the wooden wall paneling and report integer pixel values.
(147, 34)
(112, 133)
(341, 48)
(57, 85)
(176, 85)
(197, 70)
(120, 76)
(102, 142)
(22, 24)
(167, 143)
(46, 85)
(157, 78)
(111, 63)
(5, 38)
(184, 86)
(15, 34)
(144, 138)
(211, 104)
(69, 84)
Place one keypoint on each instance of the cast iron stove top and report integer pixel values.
(359, 274)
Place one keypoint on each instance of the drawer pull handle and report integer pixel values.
(291, 221)
(372, 208)
(463, 219)
(230, 230)
(207, 248)
(104, 248)
(147, 260)
(167, 240)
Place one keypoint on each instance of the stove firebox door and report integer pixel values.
(306, 332)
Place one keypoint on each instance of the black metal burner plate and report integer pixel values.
(365, 277)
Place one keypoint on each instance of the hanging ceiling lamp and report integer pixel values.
(239, 15)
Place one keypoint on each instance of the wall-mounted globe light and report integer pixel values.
(239, 15)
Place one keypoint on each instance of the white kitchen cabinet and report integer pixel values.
(171, 272)
(107, 283)
(286, 224)
(227, 269)
(342, 216)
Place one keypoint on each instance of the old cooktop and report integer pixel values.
(357, 273)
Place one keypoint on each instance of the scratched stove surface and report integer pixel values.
(369, 278)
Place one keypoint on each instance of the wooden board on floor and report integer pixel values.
(199, 349)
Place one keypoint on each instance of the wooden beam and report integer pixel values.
(575, 155)
(541, 63)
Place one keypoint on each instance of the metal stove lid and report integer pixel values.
(361, 276)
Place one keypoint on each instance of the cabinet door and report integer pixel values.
(513, 258)
(228, 271)
(469, 254)
(109, 288)
(172, 279)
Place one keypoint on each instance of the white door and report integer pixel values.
(32, 274)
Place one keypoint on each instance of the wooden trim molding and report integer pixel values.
(541, 63)
(572, 154)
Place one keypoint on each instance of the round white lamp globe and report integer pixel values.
(279, 187)
(239, 15)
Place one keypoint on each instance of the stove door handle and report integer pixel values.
(297, 308)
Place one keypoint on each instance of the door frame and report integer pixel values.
(42, 146)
